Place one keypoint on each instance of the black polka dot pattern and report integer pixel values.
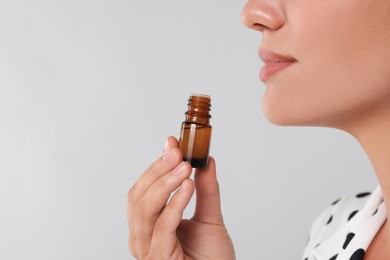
(336, 201)
(358, 255)
(335, 237)
(330, 220)
(348, 239)
(363, 194)
(352, 214)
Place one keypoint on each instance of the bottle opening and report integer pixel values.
(200, 95)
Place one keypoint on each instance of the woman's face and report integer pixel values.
(342, 53)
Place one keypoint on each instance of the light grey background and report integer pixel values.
(89, 90)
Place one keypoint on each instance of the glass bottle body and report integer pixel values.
(195, 134)
(195, 143)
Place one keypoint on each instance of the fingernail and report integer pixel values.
(166, 146)
(169, 156)
(180, 169)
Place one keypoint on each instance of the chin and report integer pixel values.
(278, 112)
(279, 119)
(278, 116)
(292, 116)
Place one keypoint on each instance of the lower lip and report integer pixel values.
(271, 68)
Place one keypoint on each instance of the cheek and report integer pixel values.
(298, 97)
(340, 71)
(322, 95)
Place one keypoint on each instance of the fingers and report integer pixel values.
(149, 206)
(208, 205)
(170, 159)
(170, 143)
(164, 234)
(164, 165)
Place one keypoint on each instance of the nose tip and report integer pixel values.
(261, 15)
(245, 17)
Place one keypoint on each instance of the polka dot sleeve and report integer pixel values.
(345, 229)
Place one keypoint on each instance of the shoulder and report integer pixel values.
(336, 216)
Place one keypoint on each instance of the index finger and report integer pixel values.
(171, 157)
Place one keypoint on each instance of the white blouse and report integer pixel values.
(346, 228)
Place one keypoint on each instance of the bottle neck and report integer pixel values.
(198, 110)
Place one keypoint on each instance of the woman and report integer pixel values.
(327, 63)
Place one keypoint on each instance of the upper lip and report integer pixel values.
(268, 56)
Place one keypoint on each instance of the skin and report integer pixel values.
(157, 230)
(341, 80)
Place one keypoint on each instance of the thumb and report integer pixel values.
(208, 202)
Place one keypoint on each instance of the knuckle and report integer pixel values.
(173, 207)
(139, 209)
(152, 168)
(142, 210)
(162, 183)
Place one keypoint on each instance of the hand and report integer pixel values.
(156, 227)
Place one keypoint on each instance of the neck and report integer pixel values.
(373, 133)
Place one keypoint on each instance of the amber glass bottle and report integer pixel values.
(195, 136)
